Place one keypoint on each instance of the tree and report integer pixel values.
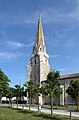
(31, 90)
(53, 83)
(43, 90)
(4, 84)
(10, 94)
(73, 91)
(57, 92)
(18, 92)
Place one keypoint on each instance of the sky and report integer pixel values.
(18, 25)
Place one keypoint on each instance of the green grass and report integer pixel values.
(73, 108)
(14, 114)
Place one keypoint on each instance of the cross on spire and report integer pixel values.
(39, 16)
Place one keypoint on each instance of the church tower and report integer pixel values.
(38, 67)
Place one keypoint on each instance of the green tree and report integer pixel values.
(73, 91)
(10, 94)
(43, 91)
(57, 93)
(4, 84)
(31, 90)
(53, 83)
(19, 92)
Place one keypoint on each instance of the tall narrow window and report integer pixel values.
(35, 61)
(46, 61)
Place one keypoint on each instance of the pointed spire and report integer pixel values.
(39, 34)
(39, 17)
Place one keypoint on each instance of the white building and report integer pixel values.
(38, 68)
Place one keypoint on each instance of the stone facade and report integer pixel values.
(65, 80)
(38, 67)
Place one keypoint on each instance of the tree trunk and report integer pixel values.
(9, 102)
(51, 100)
(17, 102)
(29, 102)
(0, 101)
(77, 103)
(39, 102)
(39, 107)
(57, 102)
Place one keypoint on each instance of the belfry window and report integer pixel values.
(35, 61)
(40, 49)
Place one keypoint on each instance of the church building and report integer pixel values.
(38, 68)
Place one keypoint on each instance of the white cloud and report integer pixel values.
(69, 57)
(62, 69)
(30, 21)
(70, 43)
(14, 44)
(20, 18)
(53, 15)
(54, 56)
(10, 55)
(73, 59)
(7, 56)
(49, 14)
(51, 41)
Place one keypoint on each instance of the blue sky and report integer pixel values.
(18, 24)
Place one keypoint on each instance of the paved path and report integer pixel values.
(56, 111)
(48, 111)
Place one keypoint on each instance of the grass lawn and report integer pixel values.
(62, 107)
(14, 114)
